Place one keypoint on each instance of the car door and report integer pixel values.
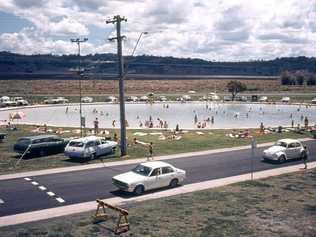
(290, 151)
(90, 147)
(153, 180)
(105, 146)
(98, 147)
(297, 150)
(167, 174)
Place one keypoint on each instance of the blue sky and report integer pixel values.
(219, 30)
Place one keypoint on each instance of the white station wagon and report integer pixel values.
(89, 147)
(149, 175)
(285, 149)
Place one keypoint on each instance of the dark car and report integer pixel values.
(40, 145)
(313, 131)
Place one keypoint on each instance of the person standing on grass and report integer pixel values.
(306, 122)
(96, 126)
(150, 150)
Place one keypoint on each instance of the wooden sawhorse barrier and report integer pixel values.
(100, 214)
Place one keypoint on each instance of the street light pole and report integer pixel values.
(78, 42)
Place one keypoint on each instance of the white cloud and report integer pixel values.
(213, 30)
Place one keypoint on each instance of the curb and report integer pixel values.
(131, 161)
(89, 206)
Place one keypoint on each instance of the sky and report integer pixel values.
(215, 30)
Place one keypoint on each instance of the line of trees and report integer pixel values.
(298, 78)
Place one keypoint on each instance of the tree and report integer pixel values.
(235, 87)
(300, 78)
(285, 78)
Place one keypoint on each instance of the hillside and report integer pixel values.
(59, 66)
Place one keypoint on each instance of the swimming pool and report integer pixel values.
(187, 115)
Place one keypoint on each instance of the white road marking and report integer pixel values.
(50, 194)
(1, 201)
(27, 179)
(60, 200)
(35, 183)
(42, 188)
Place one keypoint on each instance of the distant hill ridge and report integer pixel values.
(11, 63)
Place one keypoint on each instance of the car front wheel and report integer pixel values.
(139, 190)
(282, 159)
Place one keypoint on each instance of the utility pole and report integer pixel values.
(82, 119)
(117, 20)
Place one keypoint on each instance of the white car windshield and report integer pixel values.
(142, 170)
(281, 144)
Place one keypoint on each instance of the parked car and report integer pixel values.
(112, 99)
(149, 175)
(61, 100)
(144, 98)
(41, 145)
(227, 98)
(263, 99)
(186, 98)
(20, 101)
(285, 149)
(86, 99)
(314, 101)
(285, 99)
(132, 98)
(313, 131)
(89, 147)
(58, 100)
(213, 96)
(162, 98)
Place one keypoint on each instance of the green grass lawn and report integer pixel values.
(272, 207)
(191, 141)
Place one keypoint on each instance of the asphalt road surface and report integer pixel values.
(20, 195)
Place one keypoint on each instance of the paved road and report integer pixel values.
(20, 195)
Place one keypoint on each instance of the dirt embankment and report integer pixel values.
(97, 87)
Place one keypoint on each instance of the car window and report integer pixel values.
(103, 141)
(155, 172)
(37, 141)
(90, 144)
(76, 144)
(97, 142)
(24, 141)
(297, 144)
(48, 139)
(281, 144)
(166, 170)
(142, 170)
(292, 145)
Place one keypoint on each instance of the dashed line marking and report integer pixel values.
(1, 201)
(50, 194)
(42, 188)
(60, 200)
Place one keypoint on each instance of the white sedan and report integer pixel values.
(89, 147)
(149, 175)
(285, 149)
